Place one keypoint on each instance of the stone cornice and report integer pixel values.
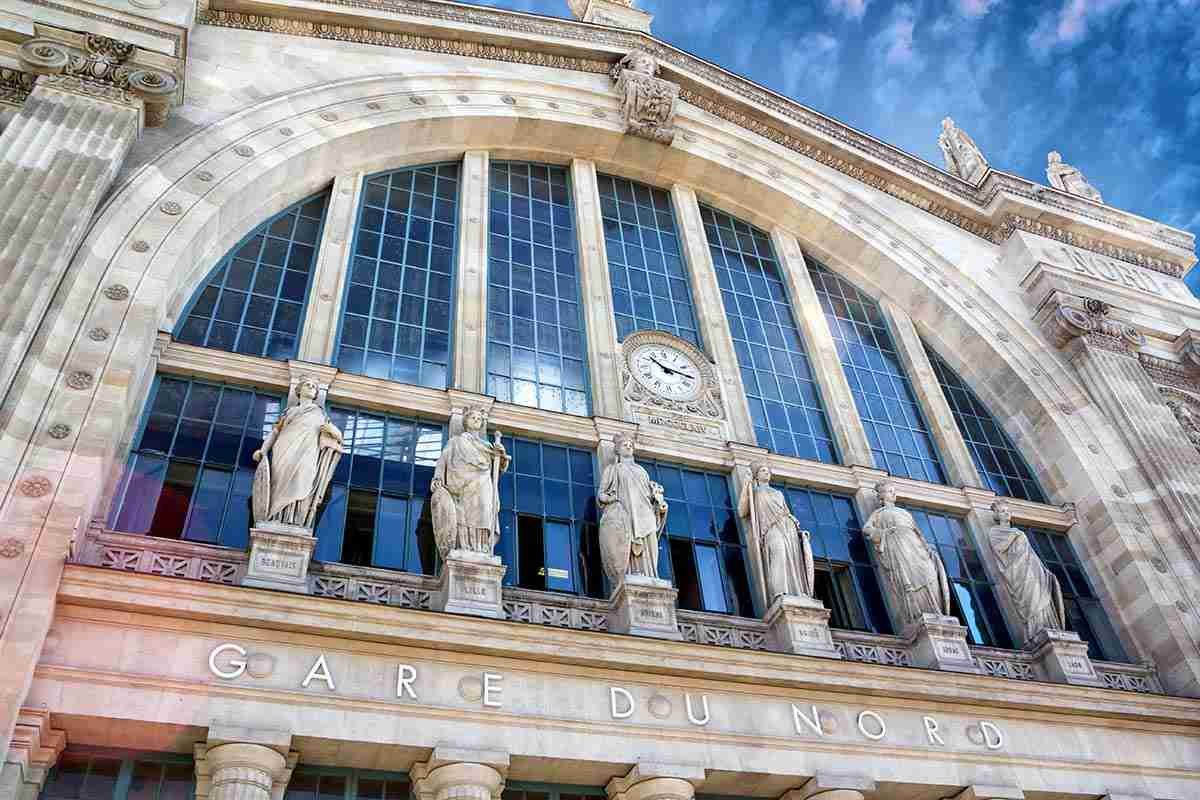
(993, 210)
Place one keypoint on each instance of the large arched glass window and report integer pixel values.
(253, 301)
(995, 456)
(785, 402)
(190, 474)
(377, 514)
(649, 279)
(396, 316)
(548, 518)
(899, 437)
(701, 550)
(537, 355)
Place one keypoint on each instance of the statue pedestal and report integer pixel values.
(1063, 658)
(938, 642)
(800, 625)
(644, 606)
(279, 556)
(470, 584)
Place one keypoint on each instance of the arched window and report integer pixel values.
(548, 519)
(701, 550)
(650, 284)
(190, 474)
(899, 437)
(784, 399)
(537, 354)
(253, 301)
(396, 316)
(999, 462)
(377, 512)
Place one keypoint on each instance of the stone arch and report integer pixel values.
(163, 230)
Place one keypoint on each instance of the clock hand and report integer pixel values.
(665, 368)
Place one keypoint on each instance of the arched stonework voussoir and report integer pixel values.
(164, 230)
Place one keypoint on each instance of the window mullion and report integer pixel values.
(847, 427)
(471, 276)
(596, 292)
(327, 291)
(710, 310)
(956, 456)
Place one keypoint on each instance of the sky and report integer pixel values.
(1112, 84)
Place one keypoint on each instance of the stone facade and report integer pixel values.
(185, 125)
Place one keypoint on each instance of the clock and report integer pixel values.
(669, 383)
(667, 371)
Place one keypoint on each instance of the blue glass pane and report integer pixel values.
(784, 399)
(899, 438)
(536, 351)
(996, 457)
(547, 512)
(396, 316)
(649, 280)
(253, 300)
(699, 507)
(183, 478)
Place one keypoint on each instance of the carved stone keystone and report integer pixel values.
(940, 642)
(644, 606)
(279, 557)
(800, 625)
(1063, 657)
(470, 584)
(827, 786)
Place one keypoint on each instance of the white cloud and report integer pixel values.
(1193, 113)
(811, 68)
(896, 38)
(854, 9)
(975, 8)
(1070, 23)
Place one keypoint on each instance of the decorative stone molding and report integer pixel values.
(32, 751)
(1170, 373)
(1186, 409)
(35, 486)
(989, 792)
(11, 547)
(15, 86)
(648, 102)
(732, 98)
(828, 786)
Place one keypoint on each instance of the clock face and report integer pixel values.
(667, 372)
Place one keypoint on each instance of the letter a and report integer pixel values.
(320, 672)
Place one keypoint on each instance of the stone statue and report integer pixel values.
(1068, 178)
(787, 560)
(1186, 418)
(915, 577)
(296, 461)
(647, 101)
(633, 514)
(963, 156)
(1033, 589)
(465, 504)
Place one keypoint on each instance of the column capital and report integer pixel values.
(744, 455)
(653, 780)
(829, 786)
(981, 791)
(1066, 319)
(460, 773)
(244, 770)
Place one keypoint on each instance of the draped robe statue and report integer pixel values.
(296, 462)
(465, 505)
(963, 157)
(633, 514)
(915, 577)
(787, 560)
(1034, 590)
(1068, 178)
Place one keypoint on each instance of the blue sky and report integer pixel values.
(1113, 84)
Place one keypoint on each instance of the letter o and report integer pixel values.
(238, 664)
(875, 737)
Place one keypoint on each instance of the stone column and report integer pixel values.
(58, 157)
(827, 786)
(460, 774)
(35, 748)
(836, 397)
(955, 456)
(710, 310)
(656, 781)
(333, 265)
(471, 281)
(596, 293)
(243, 764)
(988, 792)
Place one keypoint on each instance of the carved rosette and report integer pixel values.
(648, 102)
